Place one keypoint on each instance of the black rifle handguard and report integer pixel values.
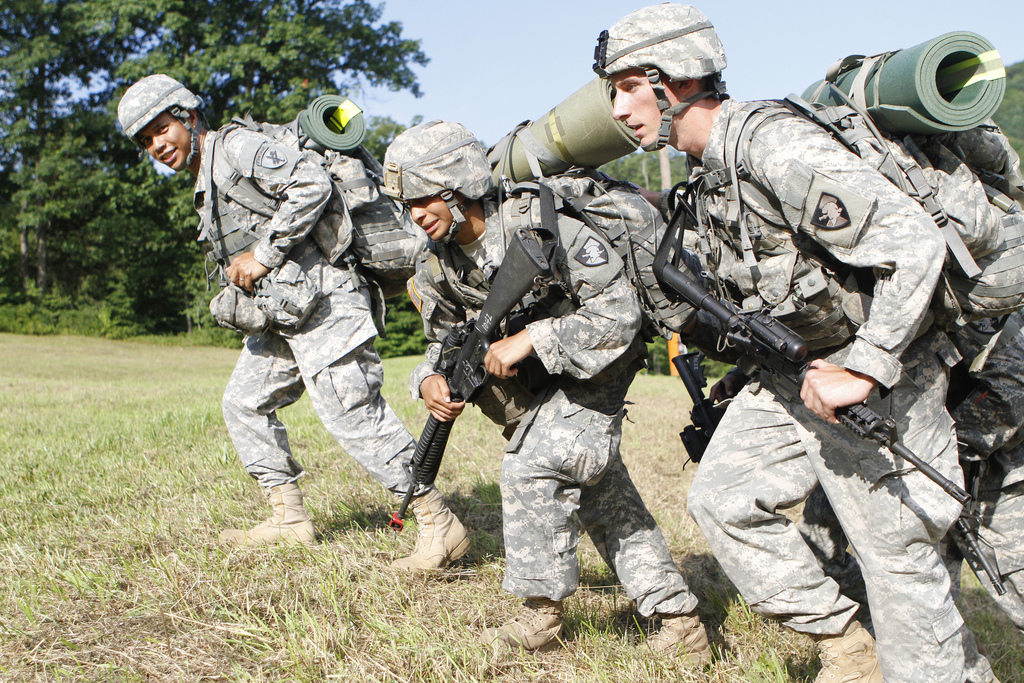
(461, 360)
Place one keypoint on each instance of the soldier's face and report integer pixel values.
(433, 215)
(167, 141)
(636, 104)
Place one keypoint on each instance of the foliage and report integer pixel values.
(404, 330)
(644, 169)
(1010, 115)
(381, 132)
(90, 223)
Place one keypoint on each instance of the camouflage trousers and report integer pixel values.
(563, 471)
(820, 528)
(769, 453)
(346, 397)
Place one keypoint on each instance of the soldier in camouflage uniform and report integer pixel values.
(765, 177)
(330, 352)
(988, 407)
(562, 468)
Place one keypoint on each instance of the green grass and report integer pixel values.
(118, 474)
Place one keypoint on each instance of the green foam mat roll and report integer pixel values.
(953, 82)
(334, 122)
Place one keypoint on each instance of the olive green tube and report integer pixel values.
(953, 82)
(578, 132)
(320, 123)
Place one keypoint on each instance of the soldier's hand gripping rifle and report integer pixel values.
(780, 352)
(461, 360)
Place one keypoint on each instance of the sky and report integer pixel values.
(495, 64)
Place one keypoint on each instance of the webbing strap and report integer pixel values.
(955, 243)
(660, 38)
(353, 184)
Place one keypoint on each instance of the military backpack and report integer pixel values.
(969, 182)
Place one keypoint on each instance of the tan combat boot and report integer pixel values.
(848, 658)
(685, 635)
(442, 537)
(536, 628)
(288, 524)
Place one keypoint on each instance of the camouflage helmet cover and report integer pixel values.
(433, 157)
(148, 98)
(678, 40)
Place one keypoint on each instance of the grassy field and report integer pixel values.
(118, 473)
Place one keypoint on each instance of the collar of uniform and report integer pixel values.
(199, 191)
(714, 151)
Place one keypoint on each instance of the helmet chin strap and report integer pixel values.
(458, 218)
(667, 109)
(182, 115)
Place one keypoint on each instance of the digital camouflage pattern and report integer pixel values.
(433, 157)
(150, 97)
(331, 354)
(279, 171)
(769, 452)
(562, 467)
(676, 39)
(988, 425)
(879, 227)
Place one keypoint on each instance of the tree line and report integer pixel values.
(94, 242)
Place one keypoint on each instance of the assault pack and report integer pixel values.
(633, 228)
(970, 183)
(360, 224)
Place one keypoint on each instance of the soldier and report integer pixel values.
(764, 177)
(562, 467)
(331, 353)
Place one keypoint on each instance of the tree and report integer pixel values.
(55, 59)
(271, 57)
(1010, 115)
(89, 219)
(644, 169)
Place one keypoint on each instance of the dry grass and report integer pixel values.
(118, 474)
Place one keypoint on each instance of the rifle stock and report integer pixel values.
(461, 361)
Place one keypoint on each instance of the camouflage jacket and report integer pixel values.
(582, 325)
(815, 211)
(301, 188)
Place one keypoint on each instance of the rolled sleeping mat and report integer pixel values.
(334, 122)
(578, 132)
(951, 83)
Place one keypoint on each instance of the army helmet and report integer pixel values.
(150, 97)
(437, 158)
(678, 40)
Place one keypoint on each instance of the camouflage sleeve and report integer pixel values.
(300, 184)
(587, 340)
(439, 316)
(863, 220)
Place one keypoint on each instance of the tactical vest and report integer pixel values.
(360, 223)
(810, 291)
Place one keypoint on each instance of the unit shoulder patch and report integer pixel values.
(592, 253)
(830, 213)
(269, 157)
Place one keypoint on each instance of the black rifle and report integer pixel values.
(705, 415)
(461, 361)
(782, 353)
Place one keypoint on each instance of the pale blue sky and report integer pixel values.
(495, 64)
